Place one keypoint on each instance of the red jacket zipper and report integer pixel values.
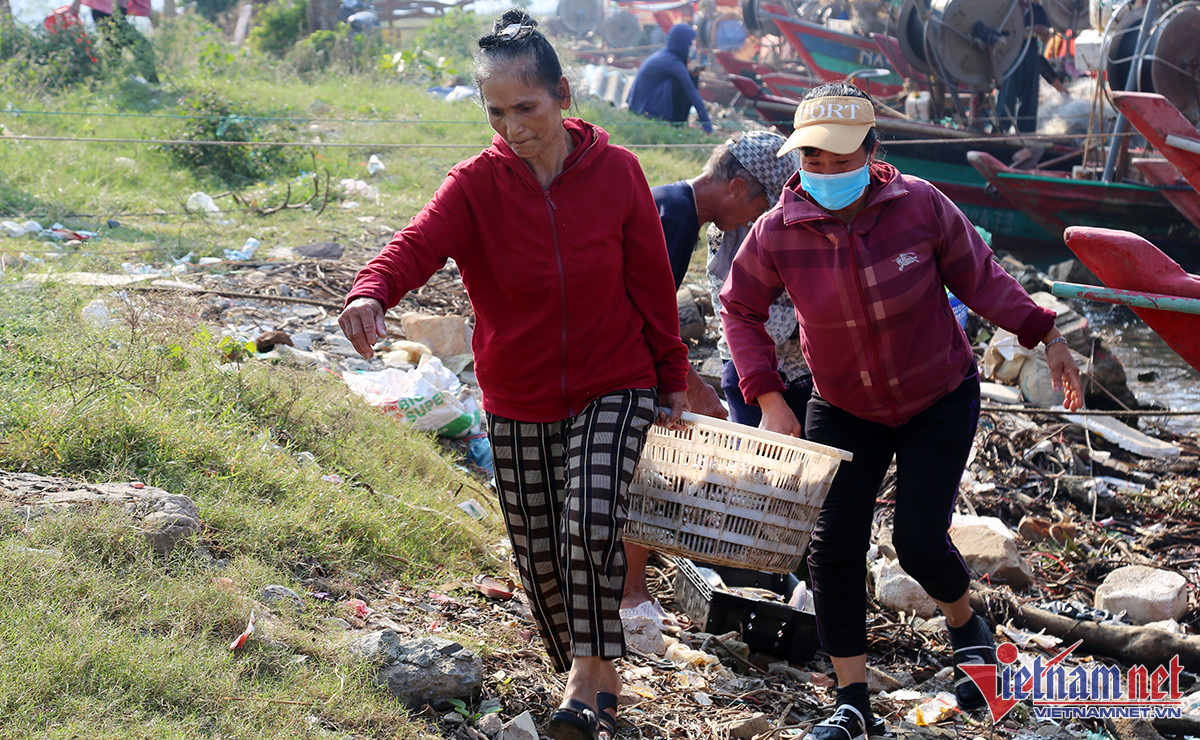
(562, 291)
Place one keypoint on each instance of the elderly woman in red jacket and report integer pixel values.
(866, 254)
(576, 341)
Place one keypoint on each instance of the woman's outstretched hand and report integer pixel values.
(362, 323)
(1064, 375)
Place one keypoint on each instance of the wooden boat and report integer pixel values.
(1168, 130)
(1129, 262)
(1162, 174)
(829, 55)
(1055, 201)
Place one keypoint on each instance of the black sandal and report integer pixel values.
(574, 720)
(608, 722)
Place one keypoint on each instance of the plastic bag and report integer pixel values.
(428, 397)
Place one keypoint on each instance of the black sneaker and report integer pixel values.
(846, 723)
(982, 651)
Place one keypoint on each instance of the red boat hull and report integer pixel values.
(1156, 118)
(1126, 261)
(1162, 174)
(1055, 201)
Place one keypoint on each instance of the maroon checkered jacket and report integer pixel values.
(875, 323)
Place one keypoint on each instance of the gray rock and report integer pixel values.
(909, 730)
(489, 724)
(321, 251)
(1072, 271)
(691, 320)
(490, 705)
(276, 595)
(744, 726)
(302, 341)
(424, 671)
(165, 518)
(164, 530)
(520, 727)
(339, 345)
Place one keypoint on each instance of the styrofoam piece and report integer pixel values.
(1000, 393)
(1125, 436)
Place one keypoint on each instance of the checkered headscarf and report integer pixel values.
(755, 151)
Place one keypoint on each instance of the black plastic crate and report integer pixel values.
(767, 627)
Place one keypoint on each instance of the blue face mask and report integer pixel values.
(835, 192)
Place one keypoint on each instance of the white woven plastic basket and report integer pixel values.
(729, 494)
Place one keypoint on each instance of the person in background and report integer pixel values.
(740, 181)
(664, 87)
(1017, 101)
(866, 254)
(576, 343)
(112, 21)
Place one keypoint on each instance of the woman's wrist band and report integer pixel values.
(1055, 341)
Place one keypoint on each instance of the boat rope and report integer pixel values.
(1014, 139)
(1088, 412)
(17, 112)
(307, 144)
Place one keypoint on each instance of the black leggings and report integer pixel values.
(931, 453)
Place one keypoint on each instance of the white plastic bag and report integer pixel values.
(429, 397)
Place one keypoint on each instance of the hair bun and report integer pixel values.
(514, 27)
(513, 16)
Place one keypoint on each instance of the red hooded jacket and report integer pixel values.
(572, 291)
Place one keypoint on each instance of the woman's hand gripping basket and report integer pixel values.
(729, 494)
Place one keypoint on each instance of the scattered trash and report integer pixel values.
(112, 223)
(933, 710)
(332, 478)
(359, 189)
(1125, 436)
(494, 588)
(246, 252)
(479, 452)
(96, 314)
(241, 639)
(357, 607)
(428, 397)
(374, 165)
(473, 509)
(12, 229)
(201, 203)
(452, 94)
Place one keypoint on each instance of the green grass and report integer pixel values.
(98, 637)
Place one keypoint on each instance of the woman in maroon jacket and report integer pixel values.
(866, 254)
(576, 339)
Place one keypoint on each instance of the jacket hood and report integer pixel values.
(679, 40)
(590, 140)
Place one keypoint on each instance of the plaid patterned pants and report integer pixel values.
(562, 486)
